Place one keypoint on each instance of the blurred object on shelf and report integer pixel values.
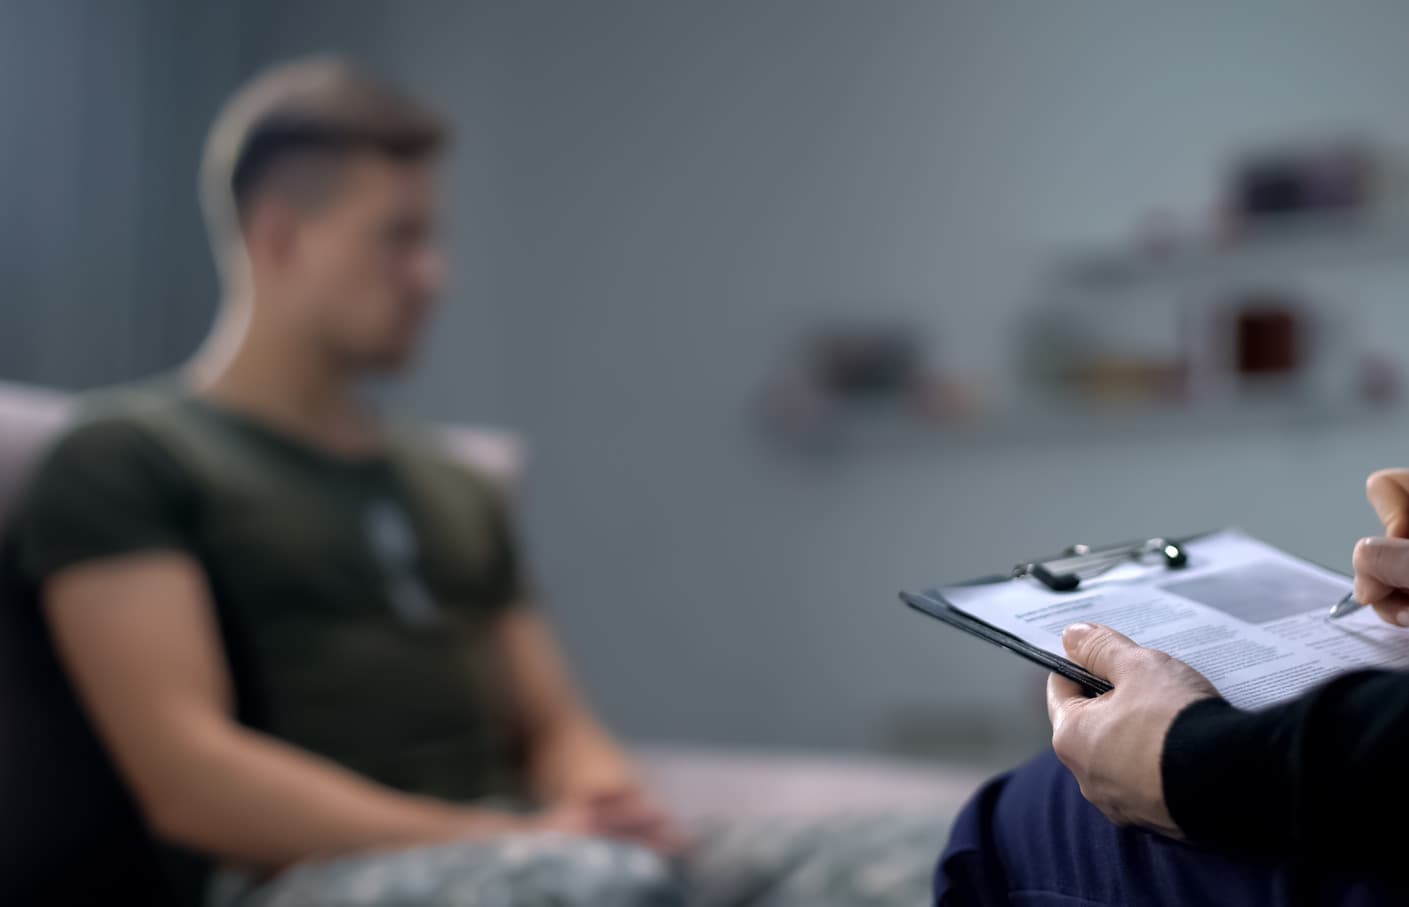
(1079, 346)
(1161, 232)
(865, 363)
(848, 375)
(1116, 380)
(1269, 333)
(940, 399)
(1335, 177)
(1271, 185)
(1380, 378)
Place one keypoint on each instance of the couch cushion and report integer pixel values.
(29, 417)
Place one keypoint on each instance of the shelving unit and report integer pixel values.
(1197, 279)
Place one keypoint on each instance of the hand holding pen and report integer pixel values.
(1382, 562)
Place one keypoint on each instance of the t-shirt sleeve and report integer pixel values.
(507, 578)
(104, 489)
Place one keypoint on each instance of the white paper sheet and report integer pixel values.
(1252, 618)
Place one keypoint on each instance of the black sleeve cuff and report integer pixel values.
(1222, 785)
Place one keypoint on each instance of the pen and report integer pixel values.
(1347, 605)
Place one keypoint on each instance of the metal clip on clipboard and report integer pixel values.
(1064, 572)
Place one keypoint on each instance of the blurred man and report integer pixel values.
(304, 637)
(1167, 795)
(300, 633)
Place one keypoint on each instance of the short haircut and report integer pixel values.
(289, 129)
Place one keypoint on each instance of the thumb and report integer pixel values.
(1381, 565)
(1388, 492)
(1100, 650)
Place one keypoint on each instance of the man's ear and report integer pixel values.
(271, 229)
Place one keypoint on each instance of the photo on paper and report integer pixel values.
(1261, 592)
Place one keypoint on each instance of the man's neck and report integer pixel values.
(248, 366)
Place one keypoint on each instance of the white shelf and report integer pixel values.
(1115, 422)
(1299, 243)
(1068, 422)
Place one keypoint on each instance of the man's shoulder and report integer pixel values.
(116, 418)
(433, 459)
(114, 425)
(104, 486)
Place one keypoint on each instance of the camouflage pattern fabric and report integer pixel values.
(876, 861)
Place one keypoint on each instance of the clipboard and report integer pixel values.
(942, 611)
(1063, 572)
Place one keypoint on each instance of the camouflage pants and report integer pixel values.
(856, 862)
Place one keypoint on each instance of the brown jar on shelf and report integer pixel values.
(1268, 336)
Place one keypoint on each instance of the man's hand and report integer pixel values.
(576, 764)
(1113, 743)
(1382, 564)
(628, 814)
(633, 814)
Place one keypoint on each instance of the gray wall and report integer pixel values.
(649, 200)
(687, 184)
(104, 272)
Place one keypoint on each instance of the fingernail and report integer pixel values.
(1079, 629)
(1403, 618)
(1371, 540)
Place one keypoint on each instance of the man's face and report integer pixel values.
(365, 266)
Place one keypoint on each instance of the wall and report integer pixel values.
(690, 183)
(104, 273)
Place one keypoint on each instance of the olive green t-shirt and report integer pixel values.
(355, 597)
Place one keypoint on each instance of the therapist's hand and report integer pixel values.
(1113, 743)
(1382, 564)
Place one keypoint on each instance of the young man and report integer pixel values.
(300, 634)
(304, 638)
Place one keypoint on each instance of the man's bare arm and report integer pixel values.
(138, 637)
(575, 762)
(572, 755)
